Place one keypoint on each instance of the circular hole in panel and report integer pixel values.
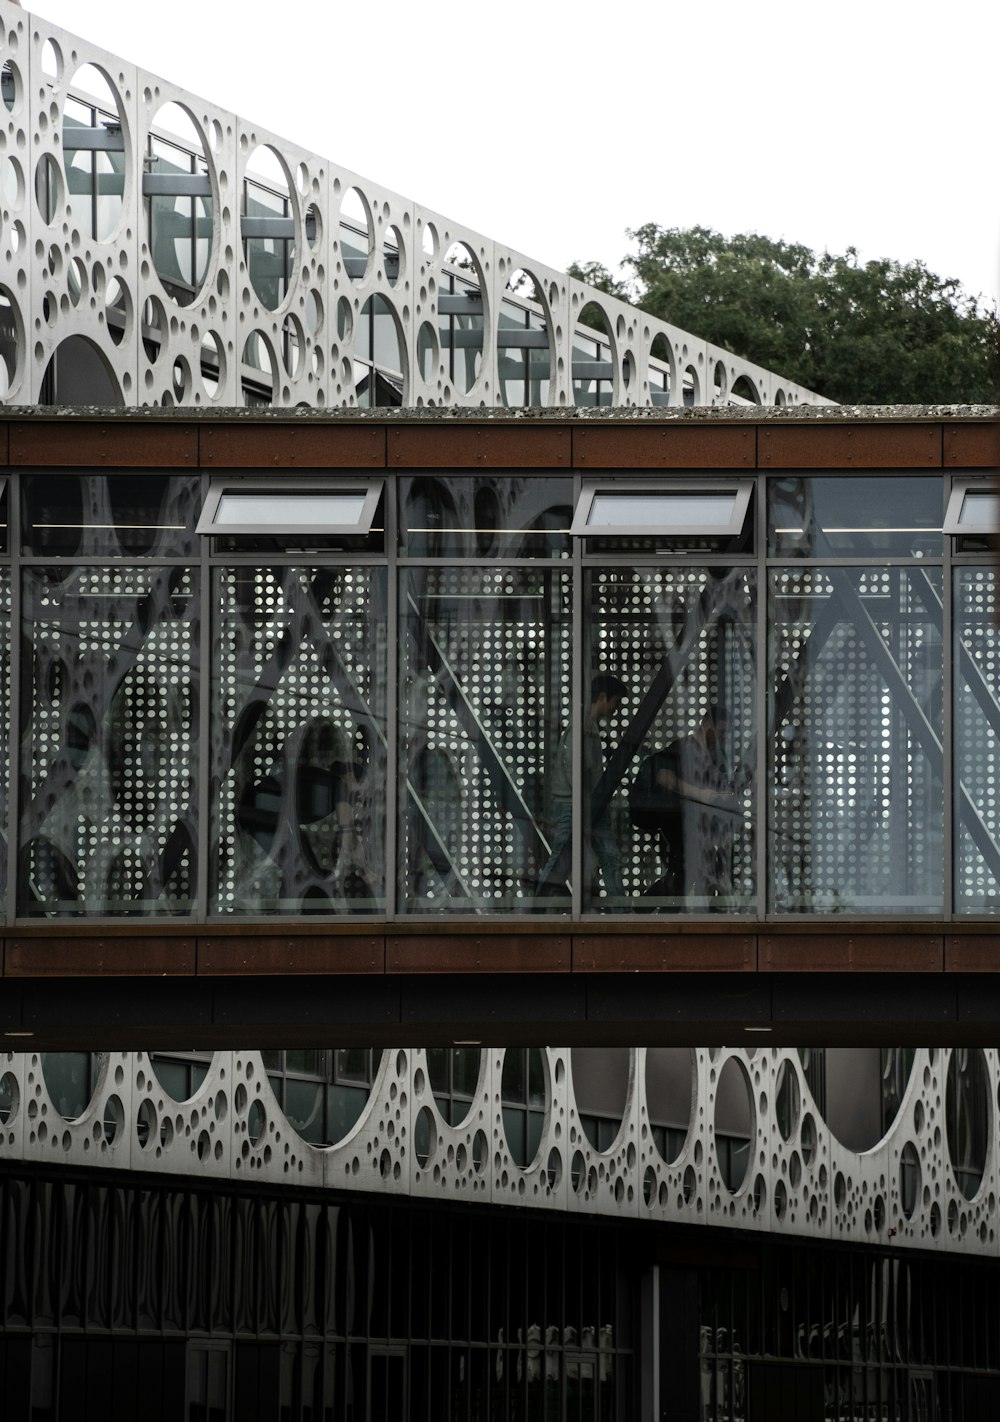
(628, 370)
(257, 371)
(780, 1200)
(689, 1184)
(460, 316)
(780, 398)
(345, 319)
(876, 1076)
(553, 1168)
(180, 379)
(600, 1089)
(691, 386)
(578, 1172)
(180, 225)
(593, 358)
(95, 176)
(145, 1124)
(967, 1105)
(671, 1086)
(428, 351)
(10, 1098)
(71, 1080)
(393, 255)
(795, 1170)
(480, 1152)
(839, 1190)
(292, 345)
(267, 225)
(454, 1080)
(759, 1194)
(114, 1119)
(744, 391)
(720, 381)
(314, 312)
(424, 1135)
(11, 342)
(379, 360)
(48, 188)
(117, 310)
(786, 1103)
(808, 1138)
(734, 1123)
(909, 1179)
(154, 328)
(524, 1094)
(429, 240)
(878, 1215)
(52, 59)
(523, 343)
(662, 370)
(256, 1122)
(356, 240)
(649, 1186)
(79, 373)
(11, 90)
(212, 363)
(314, 227)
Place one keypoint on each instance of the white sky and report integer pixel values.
(554, 127)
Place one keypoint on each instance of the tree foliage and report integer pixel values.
(879, 332)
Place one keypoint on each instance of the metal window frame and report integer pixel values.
(359, 482)
(960, 488)
(689, 484)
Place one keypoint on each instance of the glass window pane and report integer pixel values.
(109, 756)
(856, 677)
(485, 666)
(667, 804)
(300, 811)
(894, 516)
(493, 517)
(114, 515)
(976, 741)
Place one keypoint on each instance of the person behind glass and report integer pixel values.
(606, 694)
(698, 808)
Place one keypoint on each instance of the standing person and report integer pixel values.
(691, 799)
(606, 694)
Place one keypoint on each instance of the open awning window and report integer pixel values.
(973, 509)
(293, 507)
(706, 509)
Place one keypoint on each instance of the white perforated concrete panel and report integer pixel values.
(275, 255)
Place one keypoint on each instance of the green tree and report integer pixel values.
(879, 332)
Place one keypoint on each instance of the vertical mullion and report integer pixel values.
(206, 574)
(15, 728)
(576, 720)
(761, 810)
(948, 633)
(393, 654)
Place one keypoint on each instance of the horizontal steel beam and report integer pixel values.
(92, 140)
(176, 185)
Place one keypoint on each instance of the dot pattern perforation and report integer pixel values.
(604, 1181)
(80, 266)
(194, 1135)
(451, 1160)
(101, 1135)
(12, 1105)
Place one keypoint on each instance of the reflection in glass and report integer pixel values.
(109, 750)
(855, 678)
(665, 510)
(109, 516)
(484, 685)
(673, 794)
(298, 703)
(855, 515)
(491, 517)
(976, 740)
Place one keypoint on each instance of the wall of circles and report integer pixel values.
(156, 250)
(721, 1137)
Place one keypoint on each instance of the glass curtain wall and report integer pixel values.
(797, 714)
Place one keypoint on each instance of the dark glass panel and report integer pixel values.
(499, 516)
(818, 517)
(109, 515)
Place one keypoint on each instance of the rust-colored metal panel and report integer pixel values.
(117, 444)
(290, 446)
(479, 446)
(972, 446)
(673, 446)
(4, 441)
(851, 952)
(664, 953)
(972, 953)
(860, 446)
(135, 957)
(520, 952)
(250, 956)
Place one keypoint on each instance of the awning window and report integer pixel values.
(708, 509)
(973, 509)
(290, 506)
